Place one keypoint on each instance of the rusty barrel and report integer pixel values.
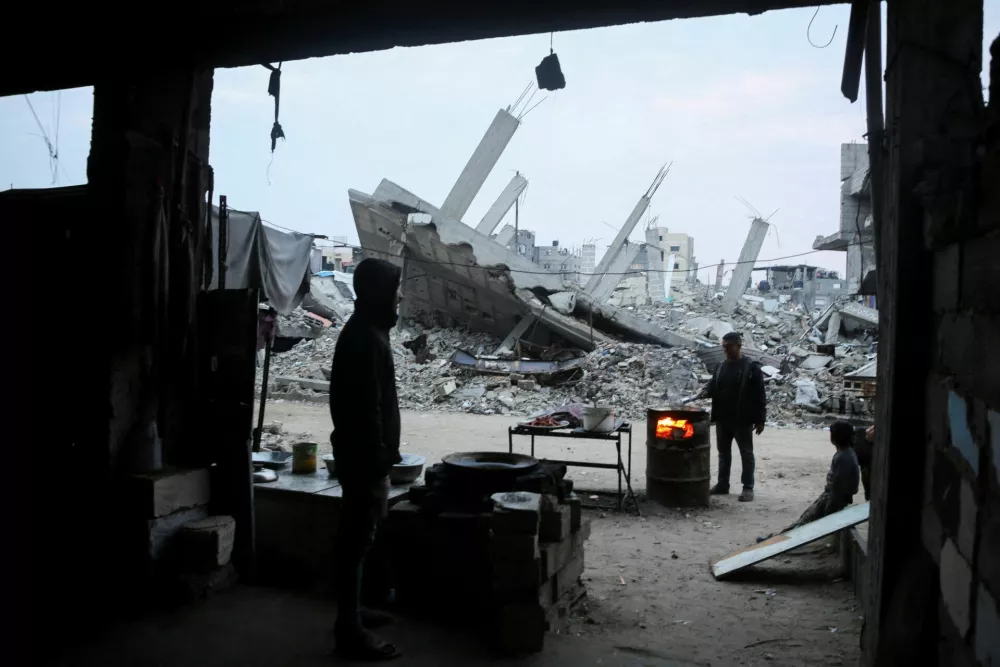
(678, 457)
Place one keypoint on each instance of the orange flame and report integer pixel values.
(666, 426)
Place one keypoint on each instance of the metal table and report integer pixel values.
(624, 470)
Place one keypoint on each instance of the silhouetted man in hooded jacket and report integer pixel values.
(365, 412)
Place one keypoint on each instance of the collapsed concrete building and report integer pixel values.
(454, 273)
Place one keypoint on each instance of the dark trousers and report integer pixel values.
(363, 508)
(825, 505)
(724, 436)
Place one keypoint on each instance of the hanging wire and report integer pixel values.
(809, 29)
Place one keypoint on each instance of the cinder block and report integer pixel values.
(569, 576)
(517, 575)
(956, 587)
(519, 629)
(165, 492)
(987, 628)
(516, 513)
(207, 544)
(556, 555)
(514, 547)
(575, 503)
(555, 525)
(161, 532)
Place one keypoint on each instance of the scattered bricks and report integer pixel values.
(515, 547)
(519, 629)
(556, 555)
(165, 492)
(575, 511)
(207, 544)
(516, 513)
(555, 526)
(568, 577)
(956, 584)
(517, 575)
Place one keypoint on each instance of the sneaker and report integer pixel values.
(746, 496)
(719, 490)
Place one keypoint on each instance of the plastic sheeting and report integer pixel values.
(260, 257)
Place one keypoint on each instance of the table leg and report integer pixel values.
(532, 445)
(510, 441)
(621, 469)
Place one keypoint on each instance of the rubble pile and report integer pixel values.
(804, 357)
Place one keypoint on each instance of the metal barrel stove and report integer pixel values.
(678, 457)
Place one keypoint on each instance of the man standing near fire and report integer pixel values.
(739, 409)
(366, 429)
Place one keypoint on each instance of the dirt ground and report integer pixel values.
(650, 593)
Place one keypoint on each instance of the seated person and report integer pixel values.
(841, 480)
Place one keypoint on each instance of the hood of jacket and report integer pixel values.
(375, 284)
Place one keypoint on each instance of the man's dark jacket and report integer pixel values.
(363, 401)
(742, 401)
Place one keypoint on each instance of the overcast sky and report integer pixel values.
(742, 107)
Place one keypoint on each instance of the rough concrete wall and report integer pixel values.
(942, 222)
(962, 490)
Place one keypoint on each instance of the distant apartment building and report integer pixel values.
(570, 263)
(810, 286)
(856, 235)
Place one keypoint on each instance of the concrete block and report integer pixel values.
(519, 629)
(956, 587)
(569, 576)
(516, 513)
(161, 532)
(445, 389)
(514, 547)
(517, 575)
(206, 544)
(556, 555)
(575, 511)
(526, 385)
(555, 524)
(167, 491)
(987, 643)
(967, 517)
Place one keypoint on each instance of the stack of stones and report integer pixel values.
(507, 563)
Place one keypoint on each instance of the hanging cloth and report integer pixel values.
(274, 90)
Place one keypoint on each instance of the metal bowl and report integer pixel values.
(408, 470)
(491, 461)
(272, 460)
(331, 464)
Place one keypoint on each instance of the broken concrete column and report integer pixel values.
(748, 256)
(615, 272)
(719, 273)
(833, 329)
(618, 245)
(471, 180)
(502, 205)
(507, 346)
(505, 236)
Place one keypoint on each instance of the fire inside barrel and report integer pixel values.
(668, 427)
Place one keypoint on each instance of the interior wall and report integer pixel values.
(935, 527)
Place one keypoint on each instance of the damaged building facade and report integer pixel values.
(856, 235)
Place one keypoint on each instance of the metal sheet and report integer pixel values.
(779, 544)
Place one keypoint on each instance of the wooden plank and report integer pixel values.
(797, 537)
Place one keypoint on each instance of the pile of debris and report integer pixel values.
(815, 364)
